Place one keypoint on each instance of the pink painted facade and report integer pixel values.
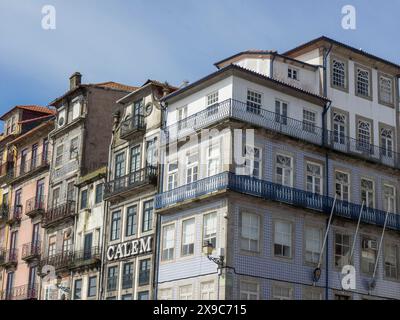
(28, 200)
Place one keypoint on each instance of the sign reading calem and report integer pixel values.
(130, 248)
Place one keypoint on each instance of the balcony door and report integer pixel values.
(45, 150)
(35, 237)
(17, 203)
(135, 165)
(24, 154)
(32, 282)
(137, 112)
(119, 171)
(13, 246)
(39, 200)
(10, 285)
(34, 155)
(87, 246)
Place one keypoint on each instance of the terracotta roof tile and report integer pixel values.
(34, 108)
(115, 85)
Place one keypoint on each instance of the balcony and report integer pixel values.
(123, 186)
(275, 192)
(61, 261)
(86, 258)
(14, 215)
(35, 206)
(6, 172)
(31, 251)
(26, 292)
(262, 118)
(4, 209)
(58, 214)
(8, 258)
(133, 127)
(30, 166)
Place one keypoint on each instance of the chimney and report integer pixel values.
(75, 80)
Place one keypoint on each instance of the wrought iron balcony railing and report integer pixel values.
(131, 181)
(87, 257)
(131, 126)
(35, 206)
(60, 261)
(6, 172)
(26, 292)
(260, 117)
(58, 213)
(276, 192)
(14, 215)
(29, 165)
(8, 258)
(31, 251)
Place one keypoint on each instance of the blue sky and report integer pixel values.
(175, 40)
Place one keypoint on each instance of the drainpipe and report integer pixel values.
(325, 90)
(271, 65)
(327, 222)
(160, 190)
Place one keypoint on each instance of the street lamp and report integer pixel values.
(208, 249)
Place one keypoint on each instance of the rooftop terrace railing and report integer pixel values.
(275, 192)
(260, 117)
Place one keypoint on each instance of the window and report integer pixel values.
(45, 150)
(70, 191)
(391, 260)
(73, 149)
(364, 136)
(369, 248)
(147, 223)
(168, 242)
(385, 89)
(362, 82)
(313, 237)
(52, 246)
(92, 287)
(186, 292)
(152, 152)
(126, 296)
(127, 275)
(386, 142)
(342, 185)
(207, 291)
(389, 198)
(135, 165)
(253, 102)
(339, 128)
(99, 193)
(67, 244)
(131, 217)
(84, 199)
(188, 233)
(59, 155)
(312, 294)
(339, 73)
(34, 156)
(192, 167)
(342, 297)
(112, 278)
(250, 231)
(76, 109)
(119, 165)
(212, 103)
(283, 239)
(144, 272)
(281, 110)
(342, 250)
(172, 175)
(309, 121)
(252, 161)
(115, 225)
(210, 229)
(282, 292)
(213, 165)
(249, 290)
(293, 73)
(284, 170)
(165, 294)
(78, 289)
(143, 295)
(368, 193)
(182, 117)
(314, 178)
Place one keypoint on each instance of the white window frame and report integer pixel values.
(312, 244)
(250, 234)
(339, 74)
(173, 175)
(287, 171)
(210, 235)
(213, 158)
(363, 84)
(181, 117)
(278, 239)
(309, 120)
(345, 247)
(293, 73)
(343, 185)
(192, 167)
(389, 197)
(164, 242)
(207, 290)
(186, 295)
(254, 101)
(385, 89)
(314, 178)
(278, 295)
(246, 293)
(368, 195)
(188, 237)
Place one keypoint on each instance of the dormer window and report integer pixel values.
(76, 109)
(293, 73)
